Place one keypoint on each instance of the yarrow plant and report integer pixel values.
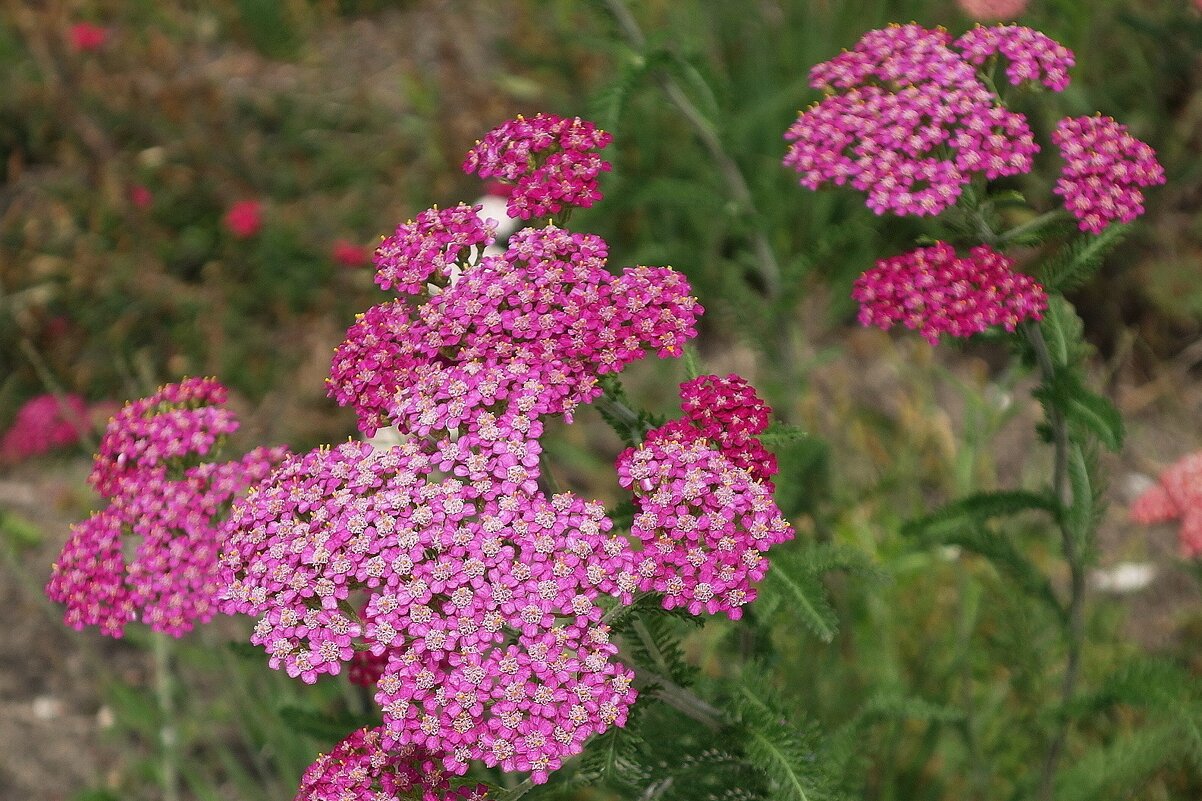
(511, 633)
(165, 502)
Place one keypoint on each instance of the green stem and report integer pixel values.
(1072, 555)
(1031, 225)
(168, 733)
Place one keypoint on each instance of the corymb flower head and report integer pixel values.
(934, 291)
(704, 520)
(430, 247)
(1105, 167)
(528, 331)
(360, 769)
(180, 420)
(552, 162)
(43, 423)
(478, 589)
(1032, 57)
(908, 121)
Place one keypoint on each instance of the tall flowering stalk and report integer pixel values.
(911, 119)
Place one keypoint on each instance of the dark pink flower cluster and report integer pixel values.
(551, 160)
(1178, 496)
(43, 423)
(152, 553)
(1032, 56)
(907, 121)
(1105, 167)
(935, 291)
(180, 420)
(728, 412)
(529, 330)
(360, 768)
(704, 522)
(430, 247)
(479, 589)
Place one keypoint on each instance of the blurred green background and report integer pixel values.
(342, 118)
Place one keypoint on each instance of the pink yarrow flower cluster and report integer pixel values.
(728, 412)
(43, 423)
(480, 591)
(704, 522)
(1105, 167)
(530, 329)
(360, 768)
(935, 291)
(1177, 496)
(430, 247)
(164, 509)
(908, 121)
(552, 162)
(1032, 56)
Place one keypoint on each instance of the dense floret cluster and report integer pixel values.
(531, 329)
(183, 420)
(704, 522)
(728, 412)
(908, 121)
(360, 768)
(1105, 167)
(479, 589)
(166, 510)
(1031, 56)
(1177, 496)
(552, 162)
(935, 291)
(431, 247)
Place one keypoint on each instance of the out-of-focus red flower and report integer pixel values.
(498, 188)
(140, 196)
(45, 422)
(244, 219)
(348, 254)
(1178, 496)
(86, 37)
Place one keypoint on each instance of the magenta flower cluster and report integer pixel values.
(360, 768)
(430, 247)
(529, 329)
(43, 423)
(704, 522)
(1105, 167)
(161, 510)
(479, 589)
(728, 412)
(935, 291)
(552, 162)
(1031, 56)
(908, 121)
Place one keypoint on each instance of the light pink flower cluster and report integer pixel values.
(360, 769)
(165, 510)
(43, 423)
(430, 247)
(704, 522)
(907, 121)
(728, 412)
(935, 291)
(1105, 167)
(529, 330)
(551, 160)
(479, 589)
(1032, 56)
(1178, 496)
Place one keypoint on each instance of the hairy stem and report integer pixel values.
(168, 734)
(1072, 555)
